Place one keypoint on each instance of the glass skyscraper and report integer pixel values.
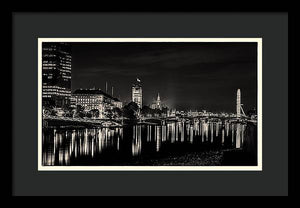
(56, 67)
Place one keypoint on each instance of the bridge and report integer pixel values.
(240, 115)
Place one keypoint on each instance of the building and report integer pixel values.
(191, 113)
(171, 113)
(73, 101)
(156, 104)
(117, 103)
(92, 99)
(56, 74)
(137, 93)
(153, 104)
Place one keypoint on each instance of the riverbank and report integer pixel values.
(55, 121)
(228, 157)
(210, 158)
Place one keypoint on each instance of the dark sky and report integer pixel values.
(186, 75)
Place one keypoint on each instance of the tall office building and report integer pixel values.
(56, 69)
(137, 93)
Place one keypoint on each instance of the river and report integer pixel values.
(173, 143)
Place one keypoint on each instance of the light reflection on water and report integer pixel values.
(70, 146)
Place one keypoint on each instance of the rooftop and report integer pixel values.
(93, 92)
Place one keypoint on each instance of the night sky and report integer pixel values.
(186, 75)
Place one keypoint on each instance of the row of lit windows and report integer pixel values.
(89, 96)
(47, 74)
(56, 94)
(65, 57)
(49, 61)
(49, 55)
(44, 64)
(54, 87)
(64, 70)
(65, 61)
(66, 53)
(46, 67)
(56, 91)
(49, 49)
(47, 96)
(88, 101)
(66, 67)
(66, 77)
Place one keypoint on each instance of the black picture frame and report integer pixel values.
(291, 126)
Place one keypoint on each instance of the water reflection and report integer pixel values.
(136, 141)
(72, 146)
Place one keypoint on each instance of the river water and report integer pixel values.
(129, 145)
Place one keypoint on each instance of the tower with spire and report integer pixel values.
(156, 104)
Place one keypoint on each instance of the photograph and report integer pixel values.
(150, 104)
(153, 103)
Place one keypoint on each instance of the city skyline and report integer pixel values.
(87, 89)
(177, 71)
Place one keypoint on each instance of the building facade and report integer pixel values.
(92, 99)
(117, 103)
(56, 74)
(137, 93)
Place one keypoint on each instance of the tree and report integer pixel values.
(164, 110)
(79, 111)
(49, 103)
(109, 113)
(130, 110)
(53, 112)
(94, 113)
(88, 114)
(157, 112)
(69, 111)
(117, 112)
(133, 106)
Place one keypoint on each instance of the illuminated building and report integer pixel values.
(156, 104)
(193, 113)
(117, 103)
(56, 74)
(95, 99)
(137, 93)
(72, 102)
(171, 112)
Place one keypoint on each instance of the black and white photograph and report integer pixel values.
(153, 103)
(150, 104)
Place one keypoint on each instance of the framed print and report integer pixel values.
(143, 104)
